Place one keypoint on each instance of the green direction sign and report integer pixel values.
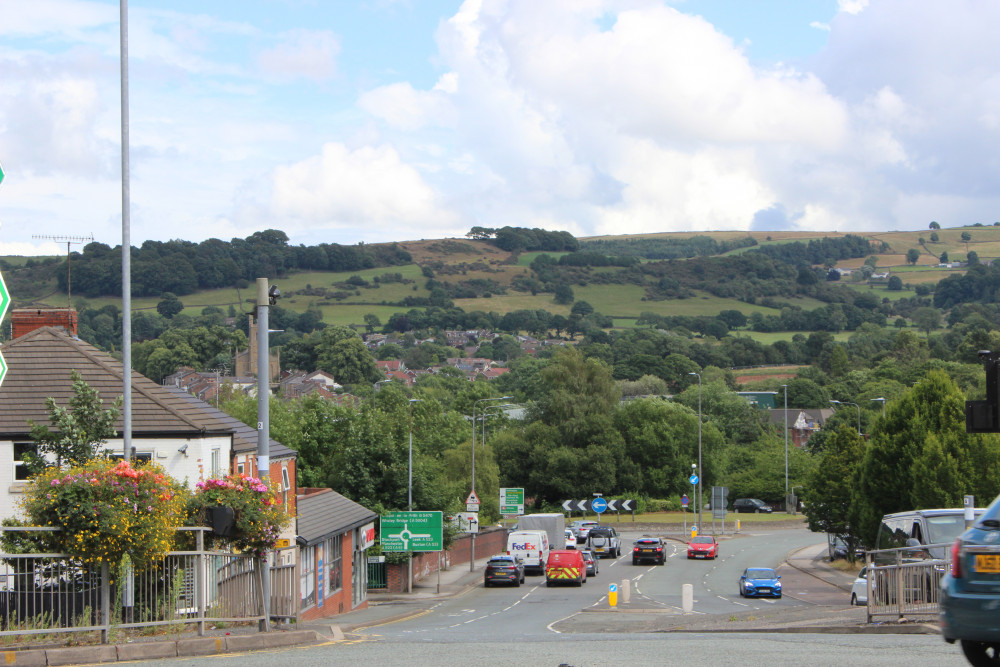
(511, 496)
(1, 173)
(412, 531)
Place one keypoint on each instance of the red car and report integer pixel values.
(703, 546)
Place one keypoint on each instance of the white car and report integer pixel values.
(570, 539)
(859, 591)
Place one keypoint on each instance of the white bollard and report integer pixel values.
(687, 598)
(625, 590)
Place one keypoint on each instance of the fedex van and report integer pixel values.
(531, 546)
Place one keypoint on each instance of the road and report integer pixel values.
(539, 626)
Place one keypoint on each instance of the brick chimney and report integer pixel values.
(26, 320)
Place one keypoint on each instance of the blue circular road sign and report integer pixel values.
(598, 505)
(685, 500)
(693, 479)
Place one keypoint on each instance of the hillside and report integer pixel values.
(478, 276)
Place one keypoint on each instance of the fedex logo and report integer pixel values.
(523, 546)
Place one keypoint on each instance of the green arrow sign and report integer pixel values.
(1, 173)
(412, 531)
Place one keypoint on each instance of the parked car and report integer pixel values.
(751, 505)
(604, 541)
(970, 592)
(703, 546)
(580, 529)
(648, 548)
(565, 566)
(503, 569)
(570, 539)
(859, 591)
(592, 567)
(758, 582)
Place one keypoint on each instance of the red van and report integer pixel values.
(565, 566)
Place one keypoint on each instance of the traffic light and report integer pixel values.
(984, 416)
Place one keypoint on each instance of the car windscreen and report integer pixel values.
(945, 528)
(760, 574)
(701, 540)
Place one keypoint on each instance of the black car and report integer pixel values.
(751, 505)
(504, 569)
(648, 548)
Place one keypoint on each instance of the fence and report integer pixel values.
(906, 582)
(45, 593)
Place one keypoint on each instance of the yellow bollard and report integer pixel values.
(694, 532)
(613, 595)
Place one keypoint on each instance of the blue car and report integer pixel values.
(760, 582)
(970, 592)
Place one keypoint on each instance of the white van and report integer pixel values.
(531, 546)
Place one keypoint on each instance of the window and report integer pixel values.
(215, 463)
(307, 577)
(240, 467)
(285, 486)
(334, 566)
(20, 449)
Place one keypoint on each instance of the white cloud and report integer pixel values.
(311, 54)
(852, 6)
(341, 187)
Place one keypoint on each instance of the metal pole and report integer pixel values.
(701, 471)
(786, 443)
(263, 427)
(409, 499)
(126, 241)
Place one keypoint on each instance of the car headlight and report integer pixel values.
(777, 585)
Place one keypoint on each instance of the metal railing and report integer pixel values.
(46, 593)
(906, 582)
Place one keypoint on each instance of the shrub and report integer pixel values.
(258, 518)
(106, 510)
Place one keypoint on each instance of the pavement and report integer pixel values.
(806, 567)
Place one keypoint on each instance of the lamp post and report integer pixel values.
(472, 546)
(881, 400)
(786, 442)
(855, 405)
(482, 416)
(409, 494)
(701, 471)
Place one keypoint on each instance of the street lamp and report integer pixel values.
(701, 471)
(409, 479)
(786, 442)
(472, 546)
(409, 494)
(882, 400)
(855, 405)
(482, 416)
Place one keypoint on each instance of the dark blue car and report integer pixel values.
(760, 582)
(970, 592)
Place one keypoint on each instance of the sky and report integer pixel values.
(348, 121)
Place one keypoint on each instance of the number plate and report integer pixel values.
(988, 563)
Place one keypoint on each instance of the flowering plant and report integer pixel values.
(107, 510)
(258, 518)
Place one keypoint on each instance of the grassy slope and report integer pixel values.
(473, 259)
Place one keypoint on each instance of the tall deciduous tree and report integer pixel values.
(920, 456)
(828, 494)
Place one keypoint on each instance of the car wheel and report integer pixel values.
(854, 599)
(486, 584)
(635, 562)
(981, 653)
(741, 592)
(548, 584)
(756, 511)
